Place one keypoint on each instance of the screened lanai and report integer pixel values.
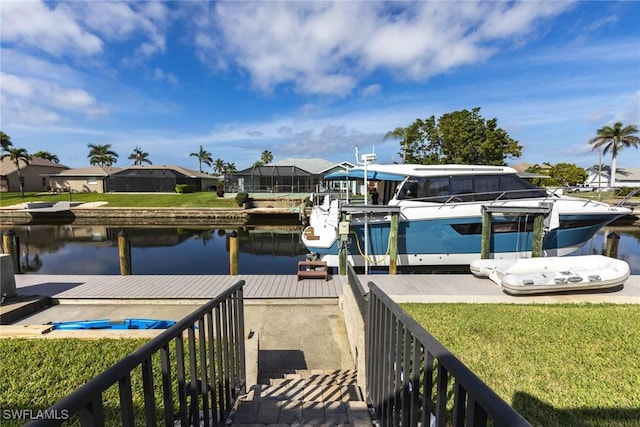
(272, 179)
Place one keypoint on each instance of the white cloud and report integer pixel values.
(123, 20)
(326, 47)
(39, 100)
(163, 76)
(507, 20)
(371, 90)
(53, 30)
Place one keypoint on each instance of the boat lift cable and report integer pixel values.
(366, 256)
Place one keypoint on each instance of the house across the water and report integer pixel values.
(292, 175)
(33, 175)
(147, 178)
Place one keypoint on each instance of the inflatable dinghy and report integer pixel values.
(553, 274)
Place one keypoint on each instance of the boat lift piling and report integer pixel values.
(346, 213)
(613, 241)
(540, 214)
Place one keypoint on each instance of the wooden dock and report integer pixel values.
(431, 288)
(174, 286)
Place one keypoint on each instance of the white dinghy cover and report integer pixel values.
(553, 274)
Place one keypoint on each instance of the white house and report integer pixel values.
(625, 177)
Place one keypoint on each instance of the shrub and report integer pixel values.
(242, 198)
(220, 192)
(185, 188)
(624, 191)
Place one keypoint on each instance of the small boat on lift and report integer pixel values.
(553, 274)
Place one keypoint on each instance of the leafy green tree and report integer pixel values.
(47, 156)
(102, 155)
(5, 141)
(461, 137)
(539, 170)
(203, 157)
(139, 157)
(219, 166)
(17, 155)
(567, 174)
(258, 163)
(615, 138)
(266, 157)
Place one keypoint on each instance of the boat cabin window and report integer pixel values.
(467, 188)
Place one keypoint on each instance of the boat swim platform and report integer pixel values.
(419, 288)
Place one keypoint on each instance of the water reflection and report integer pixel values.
(93, 249)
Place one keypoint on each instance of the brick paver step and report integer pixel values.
(307, 397)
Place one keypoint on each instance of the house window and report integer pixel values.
(92, 181)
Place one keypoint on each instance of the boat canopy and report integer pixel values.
(359, 174)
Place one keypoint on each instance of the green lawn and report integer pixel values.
(205, 199)
(36, 373)
(558, 365)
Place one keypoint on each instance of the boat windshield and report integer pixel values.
(468, 188)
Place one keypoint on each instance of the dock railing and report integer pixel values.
(190, 374)
(412, 379)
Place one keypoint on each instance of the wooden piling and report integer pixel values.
(342, 252)
(124, 253)
(393, 242)
(538, 234)
(485, 245)
(613, 241)
(233, 253)
(11, 246)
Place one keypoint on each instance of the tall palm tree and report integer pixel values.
(5, 141)
(408, 136)
(230, 168)
(203, 157)
(17, 155)
(218, 166)
(102, 155)
(266, 157)
(615, 138)
(139, 157)
(47, 156)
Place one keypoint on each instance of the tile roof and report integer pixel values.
(90, 171)
(7, 166)
(313, 165)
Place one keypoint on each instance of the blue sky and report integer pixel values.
(312, 79)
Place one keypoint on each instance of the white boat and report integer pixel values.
(553, 274)
(441, 210)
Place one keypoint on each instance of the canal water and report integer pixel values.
(93, 249)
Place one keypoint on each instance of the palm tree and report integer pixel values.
(47, 156)
(266, 157)
(203, 157)
(408, 135)
(102, 155)
(17, 155)
(218, 166)
(139, 157)
(5, 141)
(230, 168)
(615, 138)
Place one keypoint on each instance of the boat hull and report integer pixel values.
(451, 241)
